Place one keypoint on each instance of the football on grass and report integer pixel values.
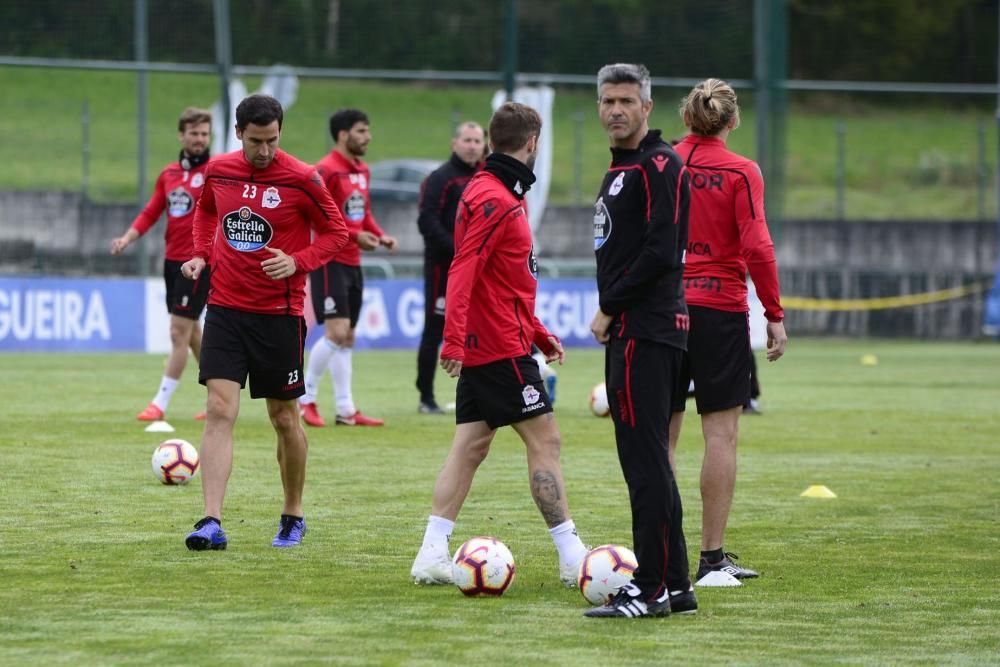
(175, 461)
(599, 400)
(483, 566)
(604, 570)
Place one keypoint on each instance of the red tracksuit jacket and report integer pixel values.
(490, 304)
(347, 181)
(177, 190)
(727, 230)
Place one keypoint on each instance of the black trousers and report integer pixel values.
(642, 377)
(435, 285)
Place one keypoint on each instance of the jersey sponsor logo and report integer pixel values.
(245, 230)
(530, 395)
(706, 181)
(617, 184)
(699, 248)
(270, 198)
(533, 263)
(197, 180)
(602, 224)
(709, 283)
(354, 207)
(179, 202)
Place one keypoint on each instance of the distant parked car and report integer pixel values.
(399, 180)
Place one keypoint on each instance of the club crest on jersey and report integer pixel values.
(245, 230)
(197, 180)
(617, 184)
(329, 305)
(354, 207)
(270, 198)
(533, 263)
(602, 223)
(179, 202)
(530, 395)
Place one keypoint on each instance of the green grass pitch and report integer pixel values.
(900, 568)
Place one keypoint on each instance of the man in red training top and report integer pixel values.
(255, 217)
(177, 190)
(337, 287)
(489, 328)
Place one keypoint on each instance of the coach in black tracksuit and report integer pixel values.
(640, 235)
(439, 196)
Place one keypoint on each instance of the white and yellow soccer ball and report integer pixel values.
(483, 566)
(175, 461)
(604, 570)
(599, 400)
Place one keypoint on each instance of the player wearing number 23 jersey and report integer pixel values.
(243, 210)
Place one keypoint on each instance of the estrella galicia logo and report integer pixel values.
(354, 207)
(179, 202)
(246, 231)
(533, 263)
(602, 224)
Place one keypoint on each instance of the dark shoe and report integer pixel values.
(290, 531)
(208, 534)
(628, 603)
(683, 602)
(430, 408)
(725, 565)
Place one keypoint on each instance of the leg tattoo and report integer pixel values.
(545, 491)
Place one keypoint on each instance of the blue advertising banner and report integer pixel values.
(393, 313)
(71, 314)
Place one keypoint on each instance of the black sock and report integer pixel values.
(713, 556)
(290, 517)
(206, 520)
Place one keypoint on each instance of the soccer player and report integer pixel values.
(177, 190)
(439, 197)
(254, 219)
(337, 287)
(640, 232)
(727, 237)
(489, 327)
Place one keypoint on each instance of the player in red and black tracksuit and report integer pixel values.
(728, 237)
(489, 329)
(337, 288)
(640, 234)
(265, 220)
(176, 192)
(439, 197)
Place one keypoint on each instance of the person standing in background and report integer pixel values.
(337, 288)
(727, 238)
(439, 196)
(177, 190)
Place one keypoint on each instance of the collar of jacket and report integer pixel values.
(461, 166)
(513, 173)
(652, 138)
(188, 162)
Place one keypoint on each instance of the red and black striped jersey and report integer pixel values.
(177, 190)
(640, 233)
(727, 235)
(347, 180)
(244, 210)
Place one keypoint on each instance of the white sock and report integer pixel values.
(340, 369)
(568, 543)
(436, 536)
(543, 367)
(319, 359)
(168, 386)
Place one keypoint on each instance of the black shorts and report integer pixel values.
(185, 298)
(501, 393)
(267, 347)
(718, 360)
(336, 291)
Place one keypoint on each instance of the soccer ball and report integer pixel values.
(175, 461)
(599, 400)
(483, 566)
(604, 570)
